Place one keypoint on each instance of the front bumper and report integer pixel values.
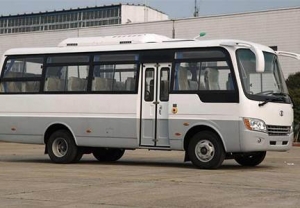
(259, 141)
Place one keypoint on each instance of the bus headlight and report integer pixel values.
(254, 124)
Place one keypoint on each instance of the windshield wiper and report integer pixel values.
(281, 99)
(280, 94)
(268, 92)
(263, 103)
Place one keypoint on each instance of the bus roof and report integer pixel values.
(130, 43)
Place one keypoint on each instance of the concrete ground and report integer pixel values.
(145, 178)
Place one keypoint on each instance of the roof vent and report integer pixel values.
(72, 44)
(114, 40)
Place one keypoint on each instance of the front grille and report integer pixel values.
(278, 130)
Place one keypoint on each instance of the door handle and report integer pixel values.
(159, 110)
(155, 102)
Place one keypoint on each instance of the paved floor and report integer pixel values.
(145, 179)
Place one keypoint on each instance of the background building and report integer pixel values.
(79, 18)
(278, 28)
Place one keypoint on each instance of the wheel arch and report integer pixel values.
(54, 127)
(198, 128)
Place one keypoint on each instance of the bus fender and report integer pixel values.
(56, 126)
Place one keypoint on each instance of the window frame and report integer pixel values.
(22, 79)
(99, 63)
(91, 63)
(144, 56)
(115, 62)
(208, 96)
(168, 70)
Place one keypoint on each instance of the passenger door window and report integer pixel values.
(164, 84)
(149, 84)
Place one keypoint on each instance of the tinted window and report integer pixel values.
(199, 54)
(115, 57)
(68, 59)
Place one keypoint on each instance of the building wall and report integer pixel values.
(135, 14)
(279, 28)
(160, 28)
(63, 19)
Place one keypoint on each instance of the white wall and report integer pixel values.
(34, 39)
(160, 28)
(136, 13)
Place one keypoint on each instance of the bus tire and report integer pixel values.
(252, 159)
(108, 155)
(206, 150)
(78, 156)
(62, 148)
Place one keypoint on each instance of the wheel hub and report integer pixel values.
(60, 147)
(205, 151)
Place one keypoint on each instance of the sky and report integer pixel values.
(174, 8)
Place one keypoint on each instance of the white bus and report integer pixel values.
(215, 100)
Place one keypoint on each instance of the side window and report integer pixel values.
(114, 78)
(77, 78)
(188, 77)
(217, 76)
(22, 75)
(199, 76)
(67, 73)
(66, 78)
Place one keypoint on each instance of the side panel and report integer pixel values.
(95, 120)
(191, 112)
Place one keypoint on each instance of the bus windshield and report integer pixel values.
(259, 85)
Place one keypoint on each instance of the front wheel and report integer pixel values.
(251, 159)
(206, 150)
(62, 148)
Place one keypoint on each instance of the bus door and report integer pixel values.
(154, 105)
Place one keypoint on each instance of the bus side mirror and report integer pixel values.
(260, 59)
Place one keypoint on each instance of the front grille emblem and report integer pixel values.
(281, 113)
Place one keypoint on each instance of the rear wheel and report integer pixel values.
(252, 159)
(62, 148)
(206, 150)
(108, 155)
(78, 156)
